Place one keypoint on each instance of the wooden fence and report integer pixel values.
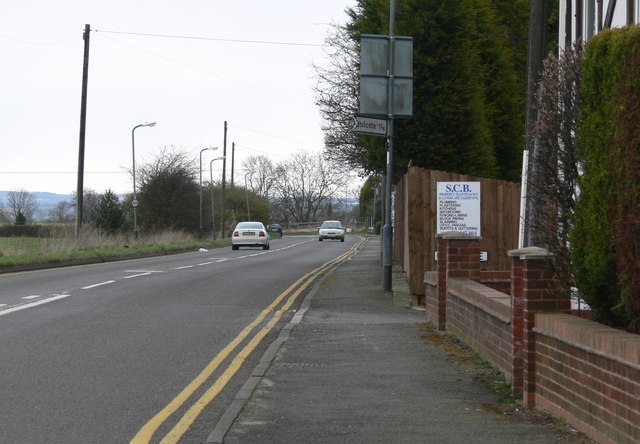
(415, 211)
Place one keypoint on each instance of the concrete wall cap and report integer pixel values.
(530, 253)
(449, 235)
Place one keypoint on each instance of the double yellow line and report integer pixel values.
(150, 428)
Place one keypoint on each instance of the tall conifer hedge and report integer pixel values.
(606, 236)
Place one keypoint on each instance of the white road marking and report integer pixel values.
(137, 275)
(33, 304)
(222, 260)
(89, 287)
(182, 268)
(3, 305)
(205, 263)
(143, 271)
(33, 296)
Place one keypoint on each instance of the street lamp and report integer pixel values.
(213, 213)
(246, 193)
(134, 202)
(212, 148)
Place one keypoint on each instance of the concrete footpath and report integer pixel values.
(353, 368)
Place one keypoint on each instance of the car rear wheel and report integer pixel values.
(320, 239)
(235, 247)
(342, 239)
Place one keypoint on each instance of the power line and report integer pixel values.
(186, 37)
(300, 142)
(61, 172)
(26, 42)
(208, 73)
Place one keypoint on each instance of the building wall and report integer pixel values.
(576, 15)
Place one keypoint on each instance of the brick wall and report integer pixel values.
(481, 316)
(589, 374)
(584, 372)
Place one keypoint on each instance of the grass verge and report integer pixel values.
(24, 252)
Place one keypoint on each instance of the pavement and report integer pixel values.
(352, 367)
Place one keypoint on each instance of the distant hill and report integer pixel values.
(46, 201)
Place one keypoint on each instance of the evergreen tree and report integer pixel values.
(21, 219)
(468, 88)
(109, 215)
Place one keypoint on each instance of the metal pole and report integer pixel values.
(134, 202)
(200, 196)
(246, 193)
(233, 159)
(83, 124)
(213, 212)
(387, 230)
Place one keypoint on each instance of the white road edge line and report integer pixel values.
(182, 268)
(89, 287)
(33, 304)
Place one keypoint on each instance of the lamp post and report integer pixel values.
(134, 202)
(213, 213)
(246, 193)
(212, 148)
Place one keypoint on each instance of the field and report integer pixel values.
(20, 251)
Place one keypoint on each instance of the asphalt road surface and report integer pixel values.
(147, 350)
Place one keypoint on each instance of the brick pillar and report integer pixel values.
(517, 326)
(533, 290)
(458, 257)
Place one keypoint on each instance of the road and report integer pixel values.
(147, 350)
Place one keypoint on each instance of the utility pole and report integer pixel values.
(83, 122)
(538, 14)
(224, 176)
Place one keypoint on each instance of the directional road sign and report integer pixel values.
(368, 125)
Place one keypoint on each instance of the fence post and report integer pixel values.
(533, 290)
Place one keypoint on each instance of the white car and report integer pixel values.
(250, 234)
(331, 229)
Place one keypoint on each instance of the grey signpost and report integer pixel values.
(386, 90)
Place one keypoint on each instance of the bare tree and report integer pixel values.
(21, 202)
(168, 191)
(62, 213)
(90, 204)
(259, 174)
(337, 92)
(554, 186)
(305, 185)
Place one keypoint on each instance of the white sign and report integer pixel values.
(459, 207)
(367, 125)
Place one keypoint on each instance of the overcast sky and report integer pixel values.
(242, 68)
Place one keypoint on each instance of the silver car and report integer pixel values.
(331, 229)
(250, 234)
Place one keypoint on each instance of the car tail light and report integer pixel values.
(262, 234)
(236, 234)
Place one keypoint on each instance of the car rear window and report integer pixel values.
(254, 225)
